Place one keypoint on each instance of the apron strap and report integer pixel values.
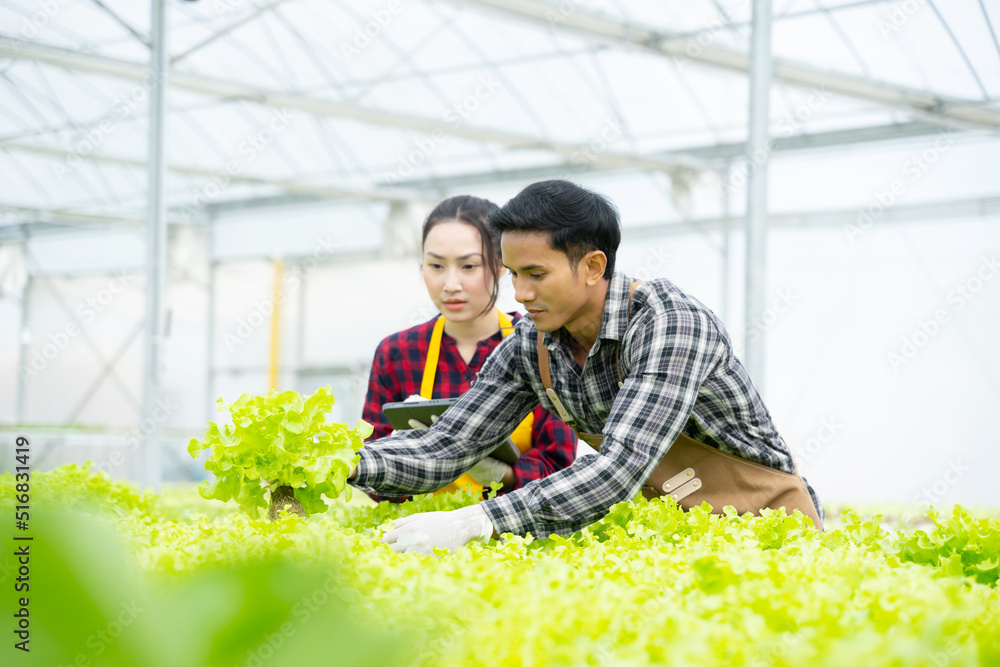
(433, 352)
(506, 326)
(546, 373)
(543, 370)
(543, 362)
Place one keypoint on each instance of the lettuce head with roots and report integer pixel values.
(279, 453)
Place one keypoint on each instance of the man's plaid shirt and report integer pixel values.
(680, 375)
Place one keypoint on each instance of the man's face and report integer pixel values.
(544, 280)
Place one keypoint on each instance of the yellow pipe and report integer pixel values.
(274, 365)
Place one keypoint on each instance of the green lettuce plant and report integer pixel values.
(279, 453)
(648, 584)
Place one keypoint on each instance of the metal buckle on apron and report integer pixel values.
(685, 490)
(678, 487)
(678, 480)
(560, 408)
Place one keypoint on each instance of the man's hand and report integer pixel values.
(491, 470)
(421, 533)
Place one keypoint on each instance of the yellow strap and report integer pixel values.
(434, 351)
(431, 365)
(506, 326)
(521, 435)
(427, 389)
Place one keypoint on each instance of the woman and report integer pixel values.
(440, 358)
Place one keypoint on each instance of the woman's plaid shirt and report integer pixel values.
(680, 375)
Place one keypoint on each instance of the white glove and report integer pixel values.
(489, 470)
(421, 533)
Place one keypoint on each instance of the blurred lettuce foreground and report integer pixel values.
(89, 606)
(122, 577)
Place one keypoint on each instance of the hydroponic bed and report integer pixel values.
(119, 577)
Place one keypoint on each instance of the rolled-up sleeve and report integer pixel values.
(423, 461)
(670, 354)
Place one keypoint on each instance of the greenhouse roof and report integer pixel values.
(397, 100)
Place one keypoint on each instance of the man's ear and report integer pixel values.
(595, 263)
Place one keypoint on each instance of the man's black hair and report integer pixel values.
(576, 219)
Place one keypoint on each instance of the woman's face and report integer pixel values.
(455, 271)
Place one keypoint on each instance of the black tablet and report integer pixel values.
(400, 414)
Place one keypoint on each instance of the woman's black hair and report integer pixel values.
(576, 219)
(472, 211)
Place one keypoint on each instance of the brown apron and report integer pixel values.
(692, 472)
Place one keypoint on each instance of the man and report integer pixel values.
(679, 378)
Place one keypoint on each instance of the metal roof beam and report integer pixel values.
(231, 90)
(942, 211)
(818, 140)
(936, 108)
(716, 155)
(60, 220)
(291, 187)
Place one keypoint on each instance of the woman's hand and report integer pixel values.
(491, 470)
(420, 426)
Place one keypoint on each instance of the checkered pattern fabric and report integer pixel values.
(398, 370)
(680, 375)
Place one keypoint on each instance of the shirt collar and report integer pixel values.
(616, 307)
(614, 322)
